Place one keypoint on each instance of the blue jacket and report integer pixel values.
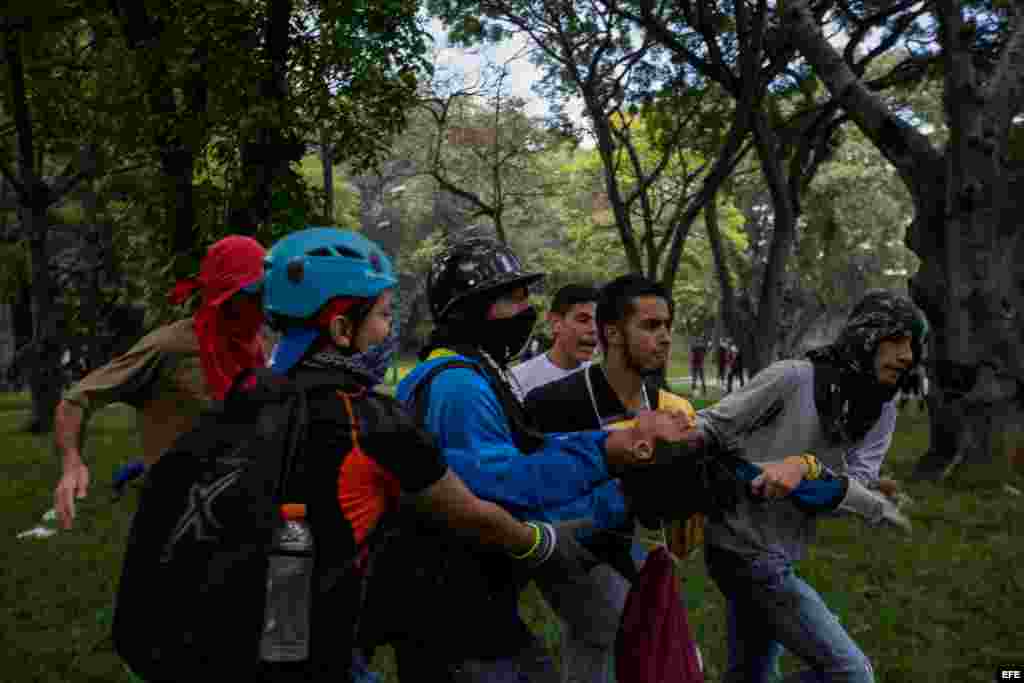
(564, 479)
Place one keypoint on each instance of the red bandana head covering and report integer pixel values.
(228, 332)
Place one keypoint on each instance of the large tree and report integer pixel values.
(965, 193)
(41, 127)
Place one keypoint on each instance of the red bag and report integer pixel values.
(654, 643)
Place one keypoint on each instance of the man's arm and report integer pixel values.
(730, 421)
(466, 419)
(449, 502)
(74, 481)
(551, 548)
(67, 430)
(864, 462)
(727, 423)
(127, 378)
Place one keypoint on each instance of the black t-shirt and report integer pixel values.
(350, 483)
(565, 406)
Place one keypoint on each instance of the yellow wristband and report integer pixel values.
(813, 467)
(536, 542)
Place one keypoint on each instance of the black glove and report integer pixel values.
(559, 551)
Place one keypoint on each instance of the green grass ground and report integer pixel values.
(943, 606)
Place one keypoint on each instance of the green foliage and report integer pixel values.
(346, 199)
(847, 242)
(15, 275)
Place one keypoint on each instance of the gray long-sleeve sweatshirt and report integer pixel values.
(771, 418)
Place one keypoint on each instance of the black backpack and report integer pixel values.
(421, 572)
(191, 599)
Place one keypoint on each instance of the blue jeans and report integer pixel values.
(771, 608)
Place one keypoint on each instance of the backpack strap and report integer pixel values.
(653, 391)
(418, 402)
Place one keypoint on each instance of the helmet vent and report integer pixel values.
(322, 251)
(350, 253)
(295, 271)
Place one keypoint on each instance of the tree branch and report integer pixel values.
(448, 186)
(22, 119)
(907, 149)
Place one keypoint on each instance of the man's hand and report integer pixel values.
(559, 551)
(779, 479)
(74, 484)
(890, 487)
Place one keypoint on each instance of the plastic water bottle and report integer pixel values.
(286, 627)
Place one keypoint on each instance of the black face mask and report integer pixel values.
(503, 338)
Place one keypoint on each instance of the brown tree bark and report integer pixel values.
(176, 156)
(268, 154)
(971, 280)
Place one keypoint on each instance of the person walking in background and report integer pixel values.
(698, 354)
(722, 360)
(736, 370)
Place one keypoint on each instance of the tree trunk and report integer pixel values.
(267, 155)
(736, 319)
(177, 162)
(44, 375)
(92, 295)
(327, 162)
(177, 158)
(783, 231)
(33, 198)
(978, 361)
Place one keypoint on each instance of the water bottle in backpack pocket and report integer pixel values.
(286, 627)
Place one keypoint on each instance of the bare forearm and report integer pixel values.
(451, 503)
(68, 432)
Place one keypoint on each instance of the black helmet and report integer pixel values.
(469, 268)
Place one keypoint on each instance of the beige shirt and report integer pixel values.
(161, 377)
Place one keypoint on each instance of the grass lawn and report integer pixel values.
(944, 606)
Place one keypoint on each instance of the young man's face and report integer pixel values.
(376, 326)
(576, 331)
(509, 304)
(644, 338)
(893, 357)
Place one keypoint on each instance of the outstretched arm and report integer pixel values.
(74, 481)
(554, 547)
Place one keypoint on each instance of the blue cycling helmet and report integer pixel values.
(308, 268)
